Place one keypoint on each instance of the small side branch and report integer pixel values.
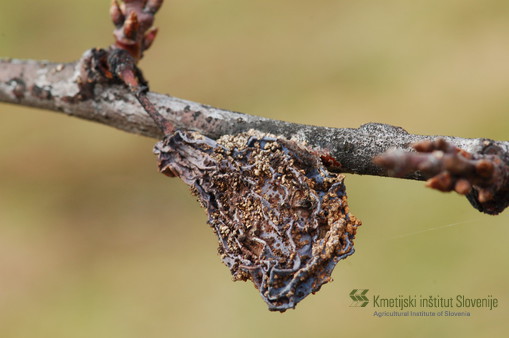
(482, 177)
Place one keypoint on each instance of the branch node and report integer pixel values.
(483, 177)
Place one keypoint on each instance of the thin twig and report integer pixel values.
(483, 178)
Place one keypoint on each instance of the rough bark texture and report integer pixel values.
(57, 87)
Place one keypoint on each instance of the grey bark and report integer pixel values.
(55, 86)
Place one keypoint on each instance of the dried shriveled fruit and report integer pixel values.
(281, 218)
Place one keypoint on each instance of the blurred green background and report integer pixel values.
(95, 243)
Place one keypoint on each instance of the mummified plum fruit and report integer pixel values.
(281, 218)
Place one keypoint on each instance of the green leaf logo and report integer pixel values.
(359, 297)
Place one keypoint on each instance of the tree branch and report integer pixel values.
(291, 223)
(56, 87)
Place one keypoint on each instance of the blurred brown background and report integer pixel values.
(95, 243)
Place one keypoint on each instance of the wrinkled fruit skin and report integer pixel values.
(281, 218)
